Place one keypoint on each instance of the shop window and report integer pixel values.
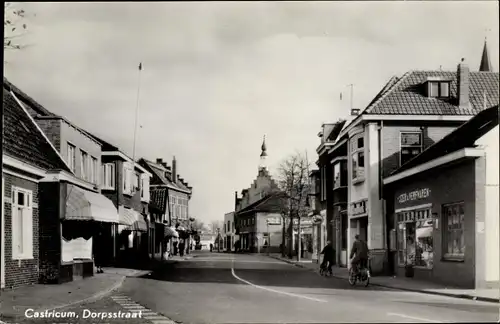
(411, 146)
(358, 157)
(414, 238)
(453, 231)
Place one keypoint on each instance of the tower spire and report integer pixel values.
(485, 65)
(263, 155)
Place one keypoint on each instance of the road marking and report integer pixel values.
(134, 307)
(273, 290)
(414, 318)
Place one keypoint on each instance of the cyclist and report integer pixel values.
(360, 249)
(329, 256)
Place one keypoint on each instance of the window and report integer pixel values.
(439, 89)
(128, 180)
(358, 157)
(415, 238)
(453, 231)
(323, 183)
(93, 170)
(108, 174)
(411, 146)
(142, 188)
(84, 166)
(22, 224)
(71, 157)
(137, 181)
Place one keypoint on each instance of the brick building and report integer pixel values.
(258, 207)
(27, 156)
(439, 225)
(408, 115)
(170, 196)
(318, 216)
(74, 215)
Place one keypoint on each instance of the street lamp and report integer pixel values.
(191, 221)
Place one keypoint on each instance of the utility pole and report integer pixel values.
(268, 238)
(218, 239)
(136, 112)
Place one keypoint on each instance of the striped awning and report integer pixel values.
(87, 205)
(133, 220)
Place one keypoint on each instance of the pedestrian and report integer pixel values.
(181, 248)
(211, 247)
(328, 256)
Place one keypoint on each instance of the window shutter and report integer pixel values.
(15, 225)
(28, 227)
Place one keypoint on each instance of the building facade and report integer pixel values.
(229, 232)
(439, 225)
(259, 208)
(170, 195)
(395, 127)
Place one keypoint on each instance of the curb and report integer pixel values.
(92, 298)
(460, 296)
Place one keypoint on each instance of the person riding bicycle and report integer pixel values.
(360, 249)
(329, 256)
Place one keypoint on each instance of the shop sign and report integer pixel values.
(358, 208)
(410, 196)
(303, 222)
(273, 221)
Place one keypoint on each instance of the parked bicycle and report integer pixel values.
(362, 274)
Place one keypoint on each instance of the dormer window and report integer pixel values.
(438, 89)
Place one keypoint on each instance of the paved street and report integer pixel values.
(229, 288)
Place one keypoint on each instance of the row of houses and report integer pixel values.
(71, 199)
(415, 174)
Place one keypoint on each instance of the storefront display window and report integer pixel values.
(415, 242)
(453, 231)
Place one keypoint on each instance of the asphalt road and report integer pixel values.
(229, 288)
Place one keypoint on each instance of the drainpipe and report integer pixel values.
(381, 192)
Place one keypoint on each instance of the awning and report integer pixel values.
(171, 232)
(424, 232)
(87, 205)
(133, 220)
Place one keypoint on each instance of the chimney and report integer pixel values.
(159, 161)
(174, 170)
(354, 111)
(463, 85)
(164, 165)
(235, 200)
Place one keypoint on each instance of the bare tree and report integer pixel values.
(293, 180)
(14, 26)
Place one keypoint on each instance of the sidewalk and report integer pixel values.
(13, 303)
(407, 284)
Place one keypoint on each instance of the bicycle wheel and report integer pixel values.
(352, 277)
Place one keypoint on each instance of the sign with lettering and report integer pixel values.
(358, 208)
(273, 221)
(418, 194)
(303, 221)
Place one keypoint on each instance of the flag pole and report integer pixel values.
(136, 111)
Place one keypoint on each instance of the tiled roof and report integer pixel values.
(26, 99)
(158, 198)
(405, 96)
(164, 176)
(24, 141)
(462, 137)
(270, 203)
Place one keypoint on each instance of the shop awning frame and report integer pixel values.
(132, 219)
(84, 205)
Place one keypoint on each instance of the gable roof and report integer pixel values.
(24, 141)
(462, 137)
(405, 96)
(164, 175)
(270, 203)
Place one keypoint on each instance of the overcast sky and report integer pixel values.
(218, 76)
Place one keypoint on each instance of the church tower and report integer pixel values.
(485, 65)
(263, 155)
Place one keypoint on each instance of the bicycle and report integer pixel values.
(362, 274)
(324, 271)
